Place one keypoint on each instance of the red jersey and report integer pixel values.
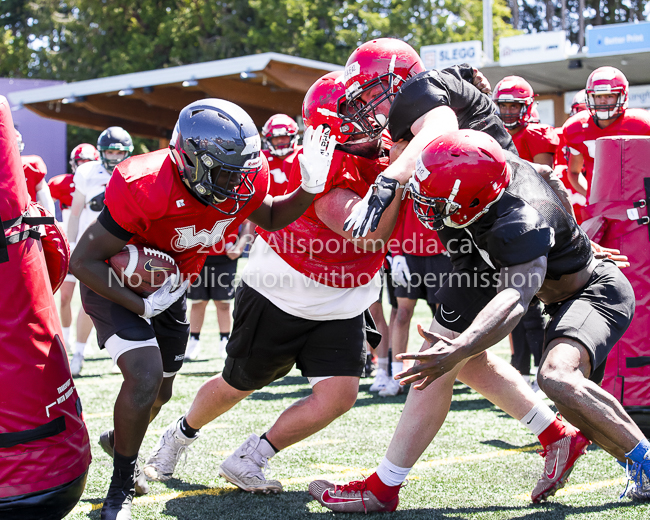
(147, 197)
(312, 248)
(35, 171)
(533, 139)
(414, 238)
(580, 133)
(62, 188)
(280, 170)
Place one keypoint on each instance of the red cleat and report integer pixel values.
(560, 457)
(354, 497)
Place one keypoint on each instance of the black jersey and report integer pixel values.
(527, 222)
(451, 87)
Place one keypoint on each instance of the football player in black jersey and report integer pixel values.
(525, 245)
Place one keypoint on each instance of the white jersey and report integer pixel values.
(90, 179)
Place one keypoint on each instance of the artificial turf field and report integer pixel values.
(482, 465)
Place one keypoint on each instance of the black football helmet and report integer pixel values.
(114, 138)
(217, 149)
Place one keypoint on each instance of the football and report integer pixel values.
(142, 269)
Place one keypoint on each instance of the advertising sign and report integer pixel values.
(618, 38)
(532, 48)
(448, 54)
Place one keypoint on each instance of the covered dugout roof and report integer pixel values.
(557, 77)
(147, 103)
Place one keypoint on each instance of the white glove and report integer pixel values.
(400, 271)
(357, 217)
(164, 297)
(316, 157)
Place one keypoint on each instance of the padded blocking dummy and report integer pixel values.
(44, 447)
(618, 219)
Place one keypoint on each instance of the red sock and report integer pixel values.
(556, 431)
(380, 490)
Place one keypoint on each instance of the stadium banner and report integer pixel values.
(532, 48)
(448, 54)
(638, 97)
(621, 38)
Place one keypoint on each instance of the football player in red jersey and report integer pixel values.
(62, 189)
(524, 237)
(417, 110)
(280, 140)
(606, 115)
(181, 201)
(303, 301)
(35, 172)
(535, 142)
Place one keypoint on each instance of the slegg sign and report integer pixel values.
(448, 54)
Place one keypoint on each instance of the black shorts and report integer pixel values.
(427, 272)
(216, 281)
(597, 317)
(170, 328)
(266, 342)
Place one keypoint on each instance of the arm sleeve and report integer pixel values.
(417, 96)
(106, 219)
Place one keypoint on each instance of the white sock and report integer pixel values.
(66, 336)
(382, 364)
(538, 419)
(265, 448)
(390, 474)
(397, 367)
(79, 348)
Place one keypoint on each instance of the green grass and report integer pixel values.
(482, 464)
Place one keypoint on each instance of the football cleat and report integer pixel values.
(222, 348)
(76, 364)
(391, 389)
(106, 442)
(193, 349)
(381, 380)
(173, 445)
(638, 475)
(354, 497)
(245, 468)
(117, 505)
(559, 458)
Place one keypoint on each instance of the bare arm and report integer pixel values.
(245, 237)
(278, 212)
(545, 158)
(493, 323)
(88, 264)
(574, 172)
(78, 203)
(334, 207)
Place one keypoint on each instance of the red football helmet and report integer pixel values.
(82, 153)
(513, 89)
(385, 63)
(277, 126)
(321, 104)
(607, 80)
(579, 103)
(458, 176)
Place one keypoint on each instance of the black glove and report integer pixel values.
(367, 212)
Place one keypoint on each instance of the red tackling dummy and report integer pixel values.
(44, 448)
(621, 179)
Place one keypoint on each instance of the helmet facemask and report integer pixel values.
(604, 112)
(433, 212)
(511, 120)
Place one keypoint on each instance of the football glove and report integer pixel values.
(164, 297)
(367, 212)
(317, 150)
(400, 271)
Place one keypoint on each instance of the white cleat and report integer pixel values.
(245, 468)
(193, 349)
(380, 382)
(222, 348)
(391, 389)
(173, 445)
(76, 364)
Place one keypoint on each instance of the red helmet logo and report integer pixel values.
(458, 176)
(514, 89)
